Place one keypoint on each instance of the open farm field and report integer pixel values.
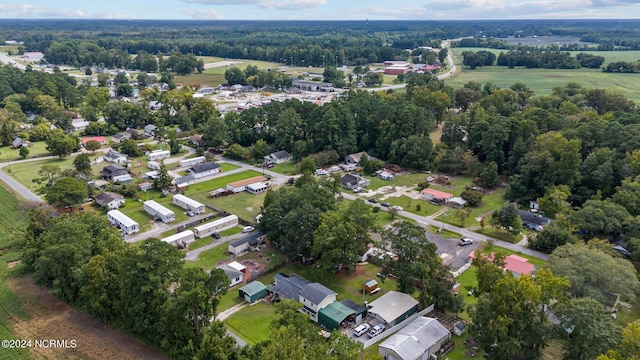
(215, 76)
(542, 81)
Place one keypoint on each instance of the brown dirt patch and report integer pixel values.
(12, 263)
(51, 318)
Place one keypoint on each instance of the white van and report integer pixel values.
(361, 329)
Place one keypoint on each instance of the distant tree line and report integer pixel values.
(532, 57)
(622, 67)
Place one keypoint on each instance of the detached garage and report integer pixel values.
(253, 291)
(334, 314)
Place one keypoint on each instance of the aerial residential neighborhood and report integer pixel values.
(393, 190)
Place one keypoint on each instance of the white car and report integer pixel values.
(398, 208)
(466, 241)
(361, 329)
(248, 229)
(376, 330)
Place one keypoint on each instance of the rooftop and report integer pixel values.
(249, 181)
(437, 193)
(392, 305)
(412, 341)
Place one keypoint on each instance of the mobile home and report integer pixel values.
(122, 221)
(184, 237)
(193, 161)
(158, 211)
(158, 155)
(216, 225)
(188, 204)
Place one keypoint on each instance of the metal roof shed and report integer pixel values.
(333, 314)
(393, 307)
(253, 291)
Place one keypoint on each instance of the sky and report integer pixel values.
(321, 9)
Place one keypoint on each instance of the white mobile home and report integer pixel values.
(184, 237)
(158, 155)
(122, 221)
(216, 225)
(158, 211)
(188, 204)
(193, 161)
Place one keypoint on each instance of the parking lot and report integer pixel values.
(451, 253)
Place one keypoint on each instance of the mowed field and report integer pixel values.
(542, 81)
(215, 76)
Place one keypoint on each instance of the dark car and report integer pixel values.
(385, 204)
(373, 200)
(215, 235)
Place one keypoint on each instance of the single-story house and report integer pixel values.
(122, 179)
(234, 271)
(144, 186)
(386, 175)
(393, 307)
(150, 129)
(352, 181)
(18, 142)
(99, 139)
(355, 158)
(79, 124)
(155, 105)
(241, 185)
(154, 165)
(206, 169)
(196, 139)
(109, 171)
(99, 184)
(158, 155)
(118, 137)
(420, 339)
(115, 157)
(257, 188)
(278, 157)
(253, 291)
(435, 196)
(533, 220)
(109, 199)
(457, 202)
(252, 241)
(185, 180)
(515, 264)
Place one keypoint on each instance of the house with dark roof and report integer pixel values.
(355, 158)
(234, 271)
(312, 296)
(278, 157)
(109, 199)
(533, 221)
(420, 339)
(252, 241)
(110, 171)
(352, 181)
(115, 157)
(206, 169)
(118, 137)
(150, 129)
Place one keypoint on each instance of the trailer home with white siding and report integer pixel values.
(122, 221)
(193, 161)
(216, 225)
(184, 237)
(158, 211)
(158, 155)
(188, 204)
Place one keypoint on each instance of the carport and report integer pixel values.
(334, 314)
(253, 291)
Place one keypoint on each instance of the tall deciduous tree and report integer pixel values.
(82, 164)
(61, 145)
(337, 242)
(66, 191)
(92, 145)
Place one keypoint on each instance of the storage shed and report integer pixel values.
(393, 307)
(253, 291)
(370, 285)
(334, 314)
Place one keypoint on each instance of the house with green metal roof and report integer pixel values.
(253, 291)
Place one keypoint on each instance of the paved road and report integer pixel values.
(193, 255)
(4, 57)
(15, 185)
(426, 220)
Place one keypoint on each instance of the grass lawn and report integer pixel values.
(500, 250)
(37, 149)
(253, 323)
(467, 280)
(232, 231)
(288, 168)
(245, 205)
(209, 259)
(409, 204)
(500, 234)
(12, 224)
(200, 243)
(215, 76)
(226, 167)
(446, 233)
(400, 180)
(542, 81)
(229, 300)
(218, 182)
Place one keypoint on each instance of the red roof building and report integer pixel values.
(99, 139)
(436, 196)
(517, 265)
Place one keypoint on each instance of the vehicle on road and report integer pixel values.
(215, 235)
(396, 207)
(373, 201)
(385, 204)
(190, 213)
(376, 330)
(248, 229)
(465, 241)
(361, 329)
